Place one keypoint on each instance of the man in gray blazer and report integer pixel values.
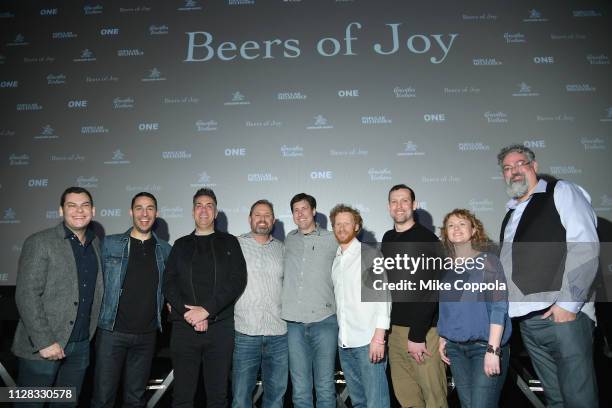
(58, 295)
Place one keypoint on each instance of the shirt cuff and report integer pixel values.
(573, 307)
(383, 322)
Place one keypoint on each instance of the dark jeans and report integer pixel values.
(117, 353)
(475, 389)
(68, 372)
(562, 356)
(211, 349)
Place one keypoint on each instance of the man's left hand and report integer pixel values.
(195, 314)
(559, 315)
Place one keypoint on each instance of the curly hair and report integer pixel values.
(480, 239)
(343, 208)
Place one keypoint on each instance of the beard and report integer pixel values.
(517, 189)
(347, 238)
(261, 230)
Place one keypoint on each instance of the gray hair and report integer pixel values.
(515, 148)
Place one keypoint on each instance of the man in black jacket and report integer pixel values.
(205, 274)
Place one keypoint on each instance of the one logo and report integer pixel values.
(379, 174)
(292, 151)
(410, 149)
(524, 90)
(486, 62)
(38, 183)
(148, 127)
(408, 92)
(580, 88)
(496, 117)
(544, 60)
(89, 10)
(123, 103)
(203, 180)
(9, 84)
(206, 126)
(158, 30)
(348, 93)
(77, 104)
(235, 152)
(109, 32)
(320, 122)
(534, 17)
(47, 132)
(86, 56)
(190, 5)
(18, 41)
(87, 182)
(290, 96)
(237, 99)
(322, 175)
(110, 212)
(434, 117)
(19, 159)
(10, 217)
(600, 59)
(130, 52)
(58, 79)
(118, 158)
(514, 38)
(535, 144)
(154, 75)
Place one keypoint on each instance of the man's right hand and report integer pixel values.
(418, 351)
(53, 352)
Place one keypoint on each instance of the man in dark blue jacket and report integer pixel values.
(133, 267)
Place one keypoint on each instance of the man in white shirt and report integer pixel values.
(362, 324)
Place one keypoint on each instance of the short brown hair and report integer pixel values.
(480, 240)
(343, 208)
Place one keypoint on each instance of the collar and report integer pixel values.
(89, 234)
(316, 231)
(539, 188)
(127, 236)
(353, 248)
(250, 236)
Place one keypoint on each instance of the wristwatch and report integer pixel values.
(494, 350)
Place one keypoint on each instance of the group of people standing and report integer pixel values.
(252, 304)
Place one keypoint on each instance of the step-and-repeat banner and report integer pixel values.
(268, 98)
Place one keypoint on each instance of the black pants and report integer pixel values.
(118, 352)
(213, 349)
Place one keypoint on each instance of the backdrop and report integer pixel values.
(265, 99)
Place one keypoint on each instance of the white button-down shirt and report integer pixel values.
(357, 320)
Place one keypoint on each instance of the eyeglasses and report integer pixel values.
(518, 165)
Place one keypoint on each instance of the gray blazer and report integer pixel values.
(47, 292)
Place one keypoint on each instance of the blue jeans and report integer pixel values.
(68, 372)
(475, 389)
(312, 354)
(271, 354)
(366, 381)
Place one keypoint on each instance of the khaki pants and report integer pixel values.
(417, 385)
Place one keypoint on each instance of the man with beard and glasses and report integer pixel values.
(133, 265)
(261, 335)
(550, 257)
(363, 315)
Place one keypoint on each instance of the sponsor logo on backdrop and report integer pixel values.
(59, 79)
(90, 10)
(375, 120)
(9, 217)
(434, 117)
(7, 14)
(53, 215)
(593, 144)
(261, 178)
(77, 104)
(180, 99)
(110, 212)
(321, 175)
(496, 117)
(104, 78)
(320, 122)
(158, 30)
(464, 90)
(138, 9)
(240, 2)
(203, 180)
(148, 127)
(580, 88)
(292, 151)
(9, 84)
(290, 96)
(47, 132)
(379, 174)
(348, 93)
(123, 102)
(86, 56)
(235, 152)
(206, 126)
(171, 212)
(586, 13)
(38, 183)
(473, 147)
(117, 158)
(480, 17)
(608, 117)
(18, 41)
(486, 61)
(481, 205)
(535, 17)
(525, 90)
(176, 155)
(605, 202)
(63, 35)
(146, 187)
(564, 170)
(410, 150)
(514, 38)
(237, 99)
(67, 157)
(28, 107)
(265, 123)
(130, 52)
(408, 92)
(544, 60)
(49, 12)
(31, 60)
(535, 144)
(154, 75)
(440, 179)
(568, 36)
(354, 152)
(563, 117)
(93, 129)
(190, 5)
(87, 182)
(109, 32)
(600, 59)
(7, 132)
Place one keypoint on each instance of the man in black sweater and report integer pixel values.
(205, 274)
(417, 372)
